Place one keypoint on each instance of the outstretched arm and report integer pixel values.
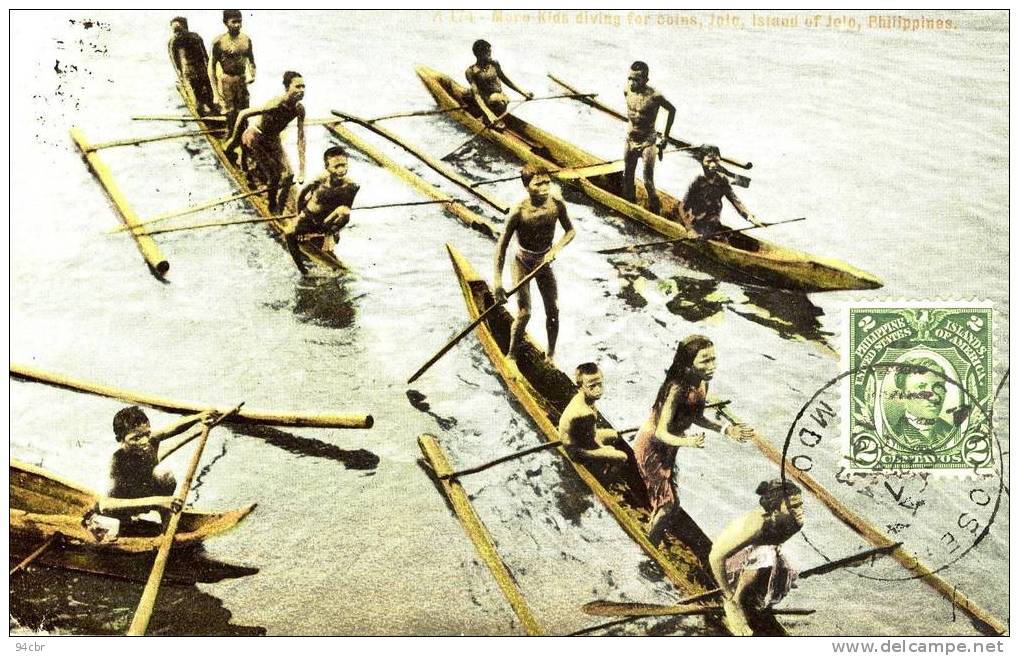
(500, 252)
(741, 208)
(178, 427)
(509, 82)
(737, 535)
(662, 432)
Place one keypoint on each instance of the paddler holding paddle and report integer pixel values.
(642, 105)
(703, 200)
(323, 206)
(486, 91)
(263, 139)
(746, 558)
(533, 221)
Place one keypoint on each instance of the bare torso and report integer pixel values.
(278, 115)
(642, 110)
(536, 229)
(486, 78)
(232, 53)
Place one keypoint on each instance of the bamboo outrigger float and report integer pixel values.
(477, 533)
(451, 205)
(544, 392)
(746, 256)
(157, 262)
(244, 416)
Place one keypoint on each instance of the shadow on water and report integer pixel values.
(359, 459)
(790, 314)
(54, 600)
(417, 400)
(324, 301)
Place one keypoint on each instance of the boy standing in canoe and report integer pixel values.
(187, 52)
(703, 200)
(233, 53)
(324, 204)
(578, 425)
(533, 221)
(263, 139)
(484, 76)
(642, 105)
(746, 558)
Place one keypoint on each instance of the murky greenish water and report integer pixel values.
(893, 144)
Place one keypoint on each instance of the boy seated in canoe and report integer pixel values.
(323, 206)
(533, 222)
(702, 205)
(578, 425)
(746, 558)
(135, 484)
(484, 76)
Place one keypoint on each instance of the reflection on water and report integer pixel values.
(790, 314)
(54, 600)
(361, 459)
(417, 400)
(324, 301)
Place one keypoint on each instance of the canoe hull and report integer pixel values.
(745, 257)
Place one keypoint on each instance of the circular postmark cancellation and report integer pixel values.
(900, 446)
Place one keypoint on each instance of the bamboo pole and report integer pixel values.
(478, 534)
(451, 205)
(180, 119)
(35, 554)
(433, 163)
(153, 256)
(215, 202)
(140, 621)
(245, 416)
(136, 141)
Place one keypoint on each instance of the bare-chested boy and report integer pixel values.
(533, 222)
(263, 139)
(484, 76)
(323, 206)
(642, 105)
(578, 425)
(703, 200)
(233, 53)
(190, 59)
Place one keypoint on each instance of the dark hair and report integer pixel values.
(679, 370)
(180, 19)
(229, 14)
(333, 151)
(916, 365)
(530, 170)
(585, 369)
(639, 66)
(480, 45)
(710, 151)
(775, 491)
(127, 419)
(288, 77)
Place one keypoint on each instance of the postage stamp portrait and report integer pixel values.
(920, 388)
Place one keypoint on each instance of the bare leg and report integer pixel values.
(660, 522)
(649, 155)
(523, 309)
(630, 158)
(550, 297)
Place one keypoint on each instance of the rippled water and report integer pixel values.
(893, 144)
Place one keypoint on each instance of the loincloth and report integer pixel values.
(530, 260)
(767, 556)
(270, 158)
(233, 89)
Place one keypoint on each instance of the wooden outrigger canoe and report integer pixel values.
(43, 505)
(755, 259)
(318, 248)
(544, 393)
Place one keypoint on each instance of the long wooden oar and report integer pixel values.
(184, 408)
(215, 202)
(611, 112)
(159, 137)
(498, 461)
(506, 113)
(474, 324)
(181, 119)
(143, 613)
(618, 609)
(705, 237)
(53, 539)
(217, 224)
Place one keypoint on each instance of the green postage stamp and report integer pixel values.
(919, 389)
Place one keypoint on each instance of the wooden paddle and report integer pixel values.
(499, 461)
(159, 137)
(706, 237)
(53, 539)
(474, 324)
(216, 224)
(622, 117)
(216, 202)
(506, 113)
(625, 609)
(182, 119)
(143, 613)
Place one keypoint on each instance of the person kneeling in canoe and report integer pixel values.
(533, 221)
(135, 484)
(486, 91)
(263, 139)
(323, 206)
(703, 202)
(747, 559)
(679, 405)
(578, 425)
